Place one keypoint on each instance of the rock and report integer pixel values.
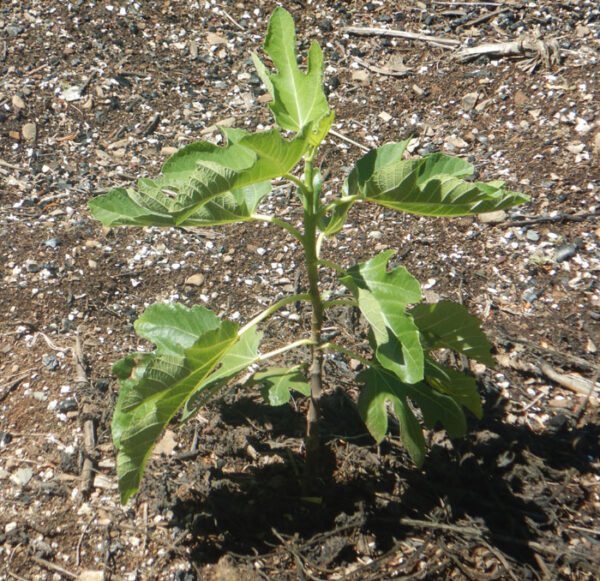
(213, 38)
(52, 243)
(29, 132)
(455, 142)
(17, 102)
(529, 295)
(532, 236)
(597, 142)
(14, 30)
(565, 251)
(90, 575)
(360, 75)
(418, 91)
(73, 93)
(67, 405)
(520, 98)
(492, 217)
(195, 280)
(50, 362)
(22, 476)
(469, 101)
(582, 126)
(575, 147)
(166, 444)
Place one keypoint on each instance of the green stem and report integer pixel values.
(279, 222)
(340, 302)
(340, 201)
(270, 310)
(297, 182)
(281, 350)
(332, 265)
(315, 372)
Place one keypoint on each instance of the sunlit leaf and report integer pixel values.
(430, 185)
(237, 359)
(382, 298)
(298, 98)
(158, 384)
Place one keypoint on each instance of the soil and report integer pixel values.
(97, 94)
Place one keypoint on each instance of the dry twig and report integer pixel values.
(437, 40)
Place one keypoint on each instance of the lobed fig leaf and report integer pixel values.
(382, 298)
(298, 98)
(278, 381)
(431, 186)
(243, 354)
(447, 324)
(437, 408)
(161, 382)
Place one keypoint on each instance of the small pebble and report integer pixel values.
(530, 294)
(50, 362)
(52, 243)
(565, 251)
(532, 236)
(67, 405)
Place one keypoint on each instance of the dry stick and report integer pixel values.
(572, 382)
(485, 17)
(9, 165)
(543, 219)
(546, 50)
(11, 385)
(474, 532)
(367, 31)
(89, 446)
(89, 432)
(498, 554)
(53, 567)
(382, 70)
(232, 20)
(579, 361)
(348, 140)
(542, 565)
(80, 541)
(467, 3)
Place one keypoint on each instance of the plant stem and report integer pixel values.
(279, 222)
(332, 265)
(340, 302)
(270, 310)
(316, 367)
(281, 350)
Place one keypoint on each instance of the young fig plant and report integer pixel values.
(196, 353)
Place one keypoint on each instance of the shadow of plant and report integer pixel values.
(503, 478)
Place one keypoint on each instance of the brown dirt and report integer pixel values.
(518, 498)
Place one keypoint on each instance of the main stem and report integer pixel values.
(315, 369)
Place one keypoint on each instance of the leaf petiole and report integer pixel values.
(270, 310)
(340, 302)
(332, 265)
(279, 222)
(283, 349)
